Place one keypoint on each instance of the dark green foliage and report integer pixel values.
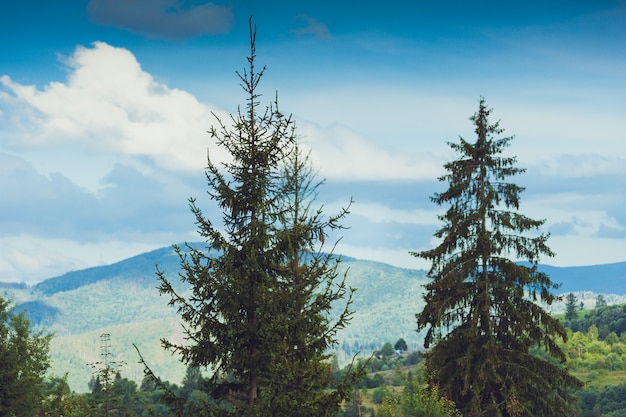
(571, 306)
(401, 345)
(413, 358)
(23, 364)
(607, 319)
(261, 289)
(193, 381)
(610, 401)
(192, 390)
(379, 394)
(55, 391)
(368, 381)
(481, 312)
(600, 301)
(124, 397)
(307, 287)
(59, 401)
(160, 398)
(387, 350)
(229, 317)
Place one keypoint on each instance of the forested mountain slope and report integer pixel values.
(122, 299)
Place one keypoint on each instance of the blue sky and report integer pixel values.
(105, 104)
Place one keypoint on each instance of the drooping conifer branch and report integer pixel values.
(481, 314)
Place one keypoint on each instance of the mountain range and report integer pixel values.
(121, 300)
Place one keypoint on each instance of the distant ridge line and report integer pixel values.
(603, 278)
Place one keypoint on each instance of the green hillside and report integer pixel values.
(74, 353)
(122, 299)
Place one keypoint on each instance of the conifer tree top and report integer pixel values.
(482, 313)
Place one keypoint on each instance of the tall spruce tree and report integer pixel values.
(481, 310)
(258, 313)
(309, 286)
(571, 306)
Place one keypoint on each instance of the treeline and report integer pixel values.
(609, 401)
(119, 397)
(596, 350)
(597, 357)
(392, 385)
(607, 319)
(587, 352)
(597, 339)
(388, 387)
(53, 397)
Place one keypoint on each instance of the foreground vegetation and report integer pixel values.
(393, 385)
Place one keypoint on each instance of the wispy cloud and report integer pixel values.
(339, 152)
(52, 205)
(311, 27)
(167, 19)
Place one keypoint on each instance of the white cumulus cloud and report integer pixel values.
(109, 104)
